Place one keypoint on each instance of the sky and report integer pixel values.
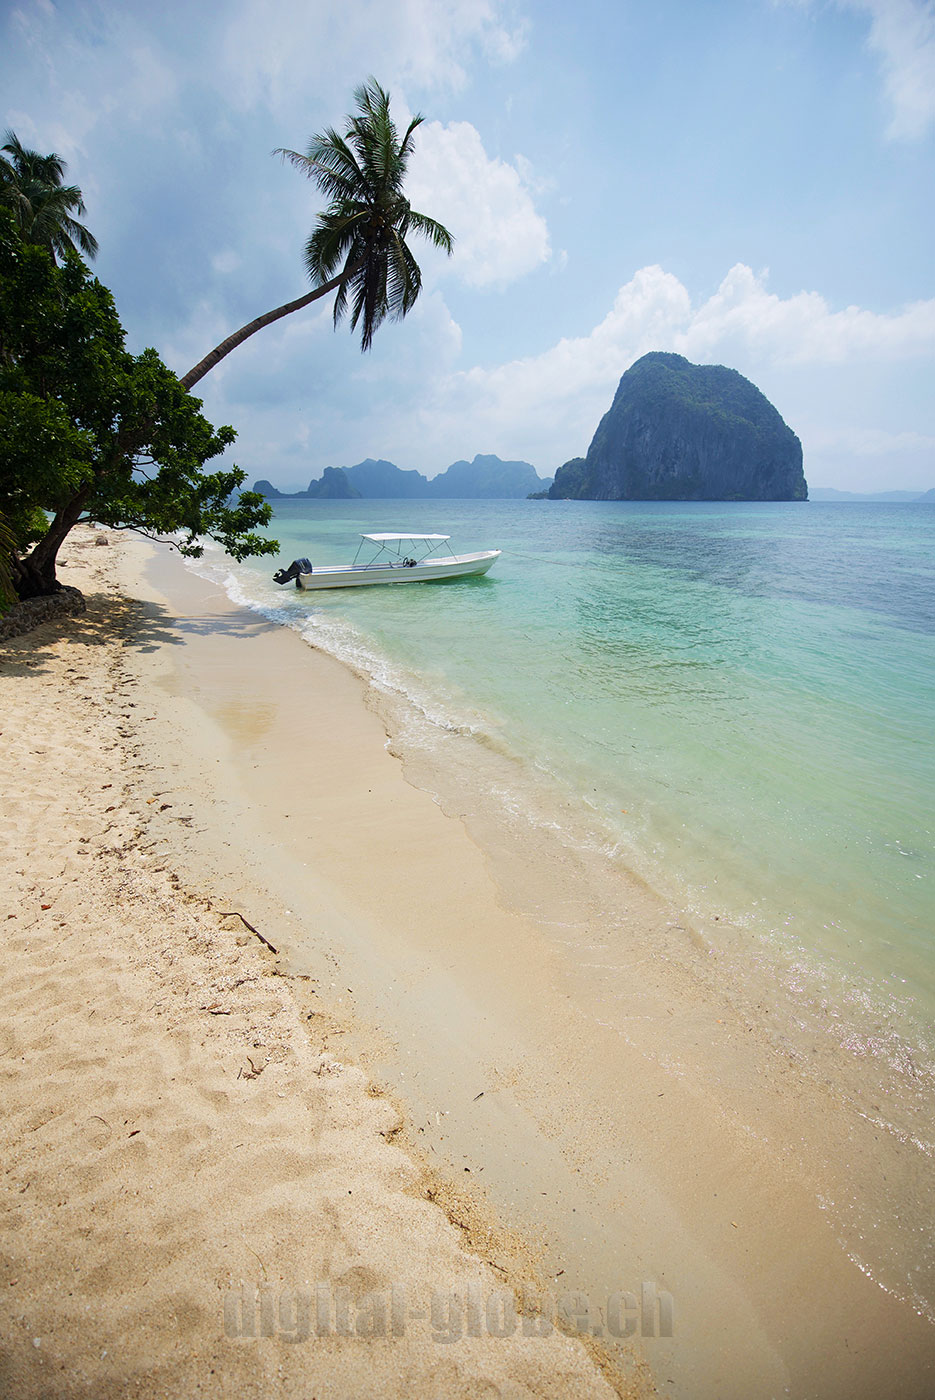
(744, 182)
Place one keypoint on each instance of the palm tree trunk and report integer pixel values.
(238, 337)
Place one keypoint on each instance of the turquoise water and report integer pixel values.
(734, 700)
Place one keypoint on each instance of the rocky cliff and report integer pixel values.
(486, 478)
(683, 432)
(333, 484)
(381, 479)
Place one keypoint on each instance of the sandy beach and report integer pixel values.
(181, 1130)
(293, 1054)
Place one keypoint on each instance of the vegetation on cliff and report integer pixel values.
(683, 432)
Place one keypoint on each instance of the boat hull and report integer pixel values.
(430, 571)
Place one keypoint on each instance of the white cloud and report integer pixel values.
(801, 329)
(871, 442)
(546, 407)
(304, 398)
(267, 56)
(856, 458)
(485, 203)
(105, 66)
(503, 45)
(534, 182)
(282, 58)
(570, 378)
(902, 33)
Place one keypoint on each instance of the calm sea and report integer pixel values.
(735, 701)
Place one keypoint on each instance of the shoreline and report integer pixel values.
(850, 998)
(491, 999)
(180, 1137)
(515, 1053)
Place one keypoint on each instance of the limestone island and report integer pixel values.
(682, 432)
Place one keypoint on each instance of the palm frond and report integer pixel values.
(431, 229)
(331, 242)
(406, 145)
(31, 185)
(71, 236)
(48, 170)
(370, 303)
(373, 102)
(363, 229)
(83, 237)
(404, 280)
(361, 234)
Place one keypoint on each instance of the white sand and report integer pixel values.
(625, 1121)
(172, 1126)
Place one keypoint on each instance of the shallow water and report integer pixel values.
(734, 700)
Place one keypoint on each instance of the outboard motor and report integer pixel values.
(298, 566)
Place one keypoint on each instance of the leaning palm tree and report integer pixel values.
(358, 247)
(31, 185)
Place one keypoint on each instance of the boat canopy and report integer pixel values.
(383, 539)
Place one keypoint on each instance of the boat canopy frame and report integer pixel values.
(398, 557)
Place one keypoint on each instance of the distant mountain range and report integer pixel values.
(486, 478)
(828, 493)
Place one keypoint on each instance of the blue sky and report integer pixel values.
(747, 182)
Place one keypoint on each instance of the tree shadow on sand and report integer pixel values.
(126, 622)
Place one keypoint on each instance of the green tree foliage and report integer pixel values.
(90, 432)
(358, 247)
(43, 207)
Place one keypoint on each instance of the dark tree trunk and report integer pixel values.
(34, 576)
(31, 580)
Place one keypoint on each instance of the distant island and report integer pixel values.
(830, 493)
(683, 432)
(486, 478)
(676, 431)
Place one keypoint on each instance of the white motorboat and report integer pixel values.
(394, 558)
